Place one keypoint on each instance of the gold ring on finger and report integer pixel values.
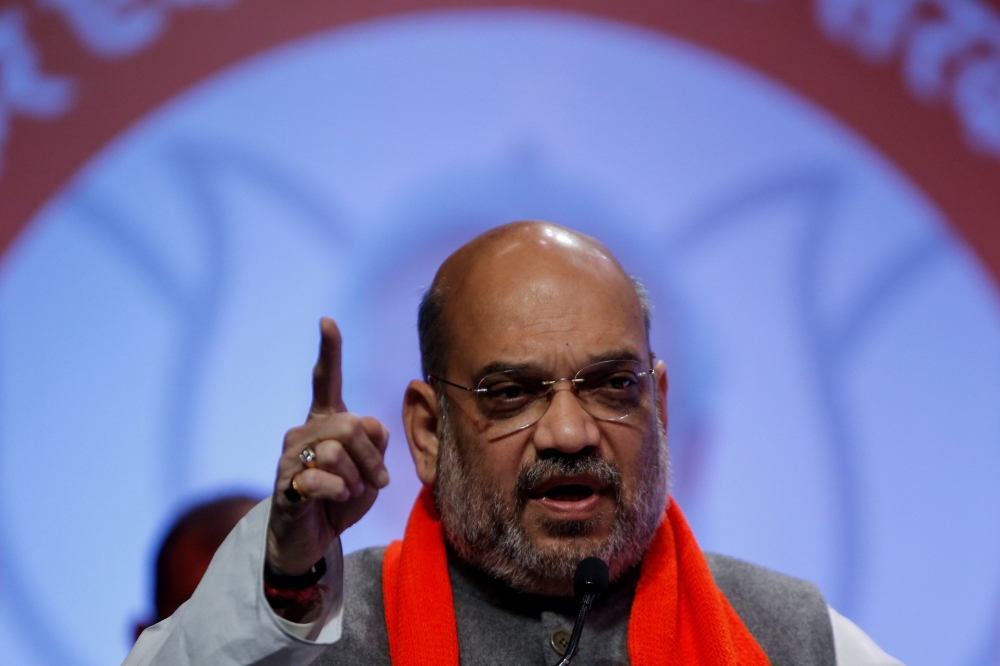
(293, 493)
(298, 488)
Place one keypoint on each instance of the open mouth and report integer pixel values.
(566, 489)
(570, 492)
(569, 497)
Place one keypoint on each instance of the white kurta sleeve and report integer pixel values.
(228, 620)
(854, 647)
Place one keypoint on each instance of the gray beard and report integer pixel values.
(484, 525)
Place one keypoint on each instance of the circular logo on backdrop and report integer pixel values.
(822, 325)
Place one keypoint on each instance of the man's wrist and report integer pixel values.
(283, 581)
(299, 606)
(295, 598)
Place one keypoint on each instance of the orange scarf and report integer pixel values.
(679, 616)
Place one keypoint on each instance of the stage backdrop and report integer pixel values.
(810, 190)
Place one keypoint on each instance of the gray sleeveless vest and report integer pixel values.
(788, 618)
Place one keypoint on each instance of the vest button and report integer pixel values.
(560, 641)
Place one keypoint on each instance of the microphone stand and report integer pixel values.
(590, 580)
(574, 639)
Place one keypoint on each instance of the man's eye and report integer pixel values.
(506, 391)
(619, 381)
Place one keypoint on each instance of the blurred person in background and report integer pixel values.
(188, 548)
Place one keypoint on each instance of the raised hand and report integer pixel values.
(341, 482)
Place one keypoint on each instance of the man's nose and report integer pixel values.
(566, 426)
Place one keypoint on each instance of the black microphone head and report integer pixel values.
(591, 576)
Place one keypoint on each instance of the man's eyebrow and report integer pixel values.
(536, 368)
(506, 366)
(614, 355)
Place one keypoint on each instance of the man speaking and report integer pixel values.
(539, 433)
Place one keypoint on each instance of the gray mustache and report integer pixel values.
(533, 474)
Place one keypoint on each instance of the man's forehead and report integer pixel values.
(539, 293)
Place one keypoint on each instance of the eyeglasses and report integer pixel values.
(514, 400)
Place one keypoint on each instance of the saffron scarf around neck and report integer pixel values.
(679, 616)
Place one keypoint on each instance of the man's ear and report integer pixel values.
(660, 374)
(421, 420)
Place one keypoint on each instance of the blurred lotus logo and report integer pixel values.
(833, 346)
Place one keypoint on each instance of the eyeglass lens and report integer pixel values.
(608, 391)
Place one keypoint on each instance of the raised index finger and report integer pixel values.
(327, 378)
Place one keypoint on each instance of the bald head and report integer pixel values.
(510, 277)
(527, 241)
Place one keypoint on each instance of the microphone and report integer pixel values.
(590, 580)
